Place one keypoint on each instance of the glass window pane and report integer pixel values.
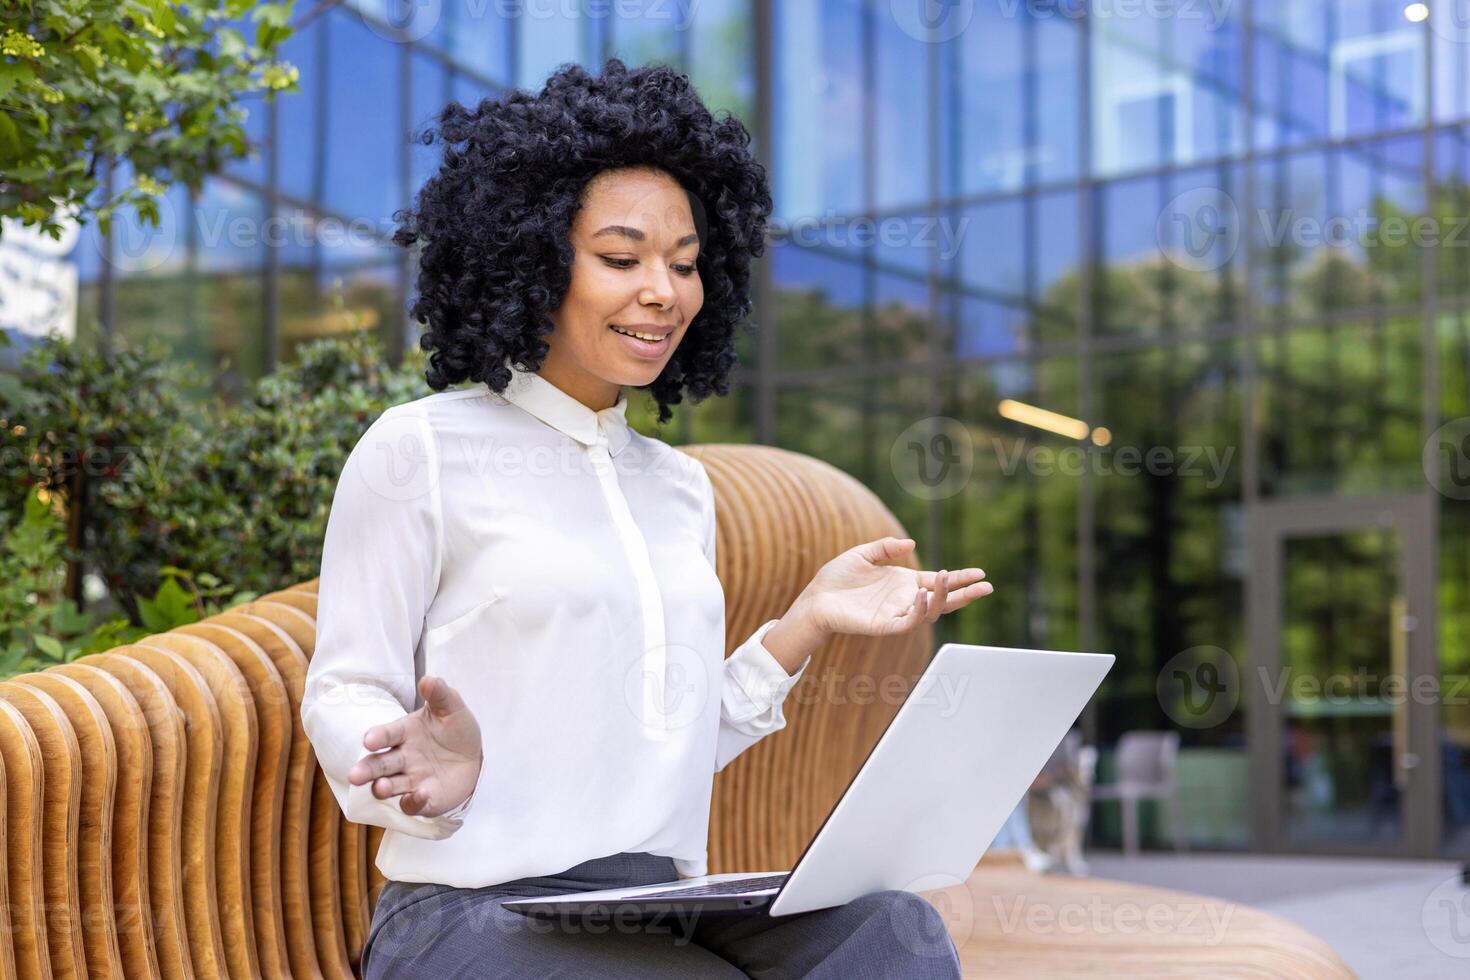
(431, 93)
(901, 96)
(819, 115)
(301, 132)
(1014, 512)
(1336, 229)
(1057, 256)
(1329, 69)
(1453, 330)
(722, 58)
(545, 38)
(1449, 23)
(646, 32)
(899, 323)
(253, 166)
(819, 307)
(361, 136)
(1341, 408)
(1165, 90)
(1008, 104)
(230, 291)
(1452, 211)
(1170, 561)
(479, 38)
(1131, 270)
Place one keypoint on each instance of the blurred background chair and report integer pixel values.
(1144, 769)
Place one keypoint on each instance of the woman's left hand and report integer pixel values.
(857, 593)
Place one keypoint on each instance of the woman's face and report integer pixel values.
(634, 271)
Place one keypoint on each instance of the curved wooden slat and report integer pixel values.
(244, 639)
(7, 950)
(168, 742)
(130, 824)
(290, 661)
(204, 757)
(326, 831)
(296, 599)
(93, 843)
(240, 743)
(353, 852)
(61, 797)
(25, 882)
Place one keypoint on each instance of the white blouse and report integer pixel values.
(557, 569)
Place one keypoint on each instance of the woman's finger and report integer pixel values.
(958, 578)
(374, 766)
(967, 595)
(382, 736)
(387, 787)
(941, 593)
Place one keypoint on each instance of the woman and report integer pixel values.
(537, 578)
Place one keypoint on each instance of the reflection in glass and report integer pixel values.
(819, 301)
(819, 115)
(1165, 90)
(1170, 557)
(1342, 603)
(1341, 408)
(902, 140)
(721, 59)
(1331, 69)
(1335, 229)
(1016, 515)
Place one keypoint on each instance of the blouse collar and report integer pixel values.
(561, 411)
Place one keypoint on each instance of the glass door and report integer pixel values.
(1342, 692)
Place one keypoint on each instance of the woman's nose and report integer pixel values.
(658, 288)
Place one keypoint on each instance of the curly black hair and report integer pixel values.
(495, 220)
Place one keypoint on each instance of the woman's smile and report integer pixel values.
(635, 340)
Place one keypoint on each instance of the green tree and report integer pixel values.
(153, 82)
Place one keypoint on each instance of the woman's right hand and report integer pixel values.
(435, 755)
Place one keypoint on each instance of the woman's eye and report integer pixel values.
(683, 270)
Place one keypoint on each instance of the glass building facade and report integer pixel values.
(1224, 240)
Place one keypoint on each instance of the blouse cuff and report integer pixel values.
(760, 682)
(461, 810)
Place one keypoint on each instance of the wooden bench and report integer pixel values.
(164, 815)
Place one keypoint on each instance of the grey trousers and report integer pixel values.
(439, 932)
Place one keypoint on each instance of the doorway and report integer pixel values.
(1341, 693)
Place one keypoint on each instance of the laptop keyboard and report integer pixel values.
(734, 886)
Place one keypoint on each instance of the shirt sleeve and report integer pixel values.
(754, 684)
(380, 567)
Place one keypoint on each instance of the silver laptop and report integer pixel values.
(936, 788)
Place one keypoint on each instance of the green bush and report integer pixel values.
(110, 471)
(40, 626)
